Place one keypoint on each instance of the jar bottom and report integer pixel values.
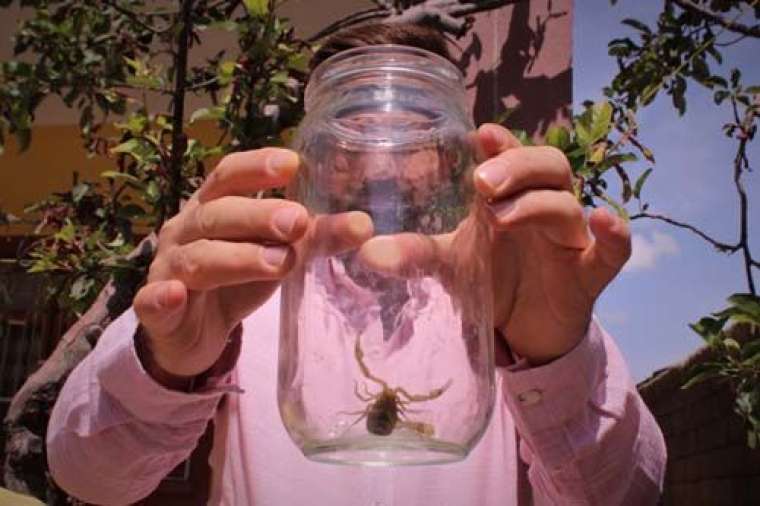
(384, 451)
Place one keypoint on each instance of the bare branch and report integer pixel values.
(444, 14)
(720, 246)
(728, 24)
(741, 163)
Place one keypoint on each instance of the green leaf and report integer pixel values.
(226, 71)
(79, 191)
(755, 90)
(720, 96)
(638, 25)
(601, 120)
(257, 8)
(736, 75)
(640, 183)
(732, 344)
(215, 113)
(698, 378)
(152, 192)
(558, 136)
(280, 77)
(227, 25)
(113, 174)
(67, 232)
(708, 327)
(751, 349)
(299, 62)
(744, 307)
(138, 149)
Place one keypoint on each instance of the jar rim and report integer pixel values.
(383, 57)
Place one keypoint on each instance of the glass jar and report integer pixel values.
(381, 367)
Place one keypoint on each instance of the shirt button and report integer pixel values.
(530, 397)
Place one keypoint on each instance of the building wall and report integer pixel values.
(516, 57)
(709, 462)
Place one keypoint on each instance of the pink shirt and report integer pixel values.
(572, 432)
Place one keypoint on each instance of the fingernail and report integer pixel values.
(285, 219)
(282, 160)
(275, 255)
(503, 207)
(493, 174)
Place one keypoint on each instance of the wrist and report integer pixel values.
(160, 375)
(541, 344)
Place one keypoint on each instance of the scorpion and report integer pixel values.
(387, 408)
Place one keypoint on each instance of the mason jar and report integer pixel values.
(381, 366)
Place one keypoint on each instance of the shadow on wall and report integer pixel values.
(541, 99)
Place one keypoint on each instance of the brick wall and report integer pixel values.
(709, 462)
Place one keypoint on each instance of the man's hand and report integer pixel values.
(548, 269)
(224, 255)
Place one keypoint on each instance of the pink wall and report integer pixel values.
(519, 55)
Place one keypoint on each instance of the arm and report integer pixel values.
(115, 432)
(585, 433)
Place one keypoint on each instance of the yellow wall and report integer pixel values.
(48, 166)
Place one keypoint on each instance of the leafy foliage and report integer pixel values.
(108, 58)
(734, 361)
(685, 47)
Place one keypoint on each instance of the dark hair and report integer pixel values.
(406, 34)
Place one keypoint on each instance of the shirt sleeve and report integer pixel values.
(114, 432)
(585, 433)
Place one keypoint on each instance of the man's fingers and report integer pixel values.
(611, 248)
(337, 233)
(406, 255)
(556, 214)
(208, 264)
(160, 305)
(248, 172)
(494, 139)
(520, 169)
(241, 218)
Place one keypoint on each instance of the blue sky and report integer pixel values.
(674, 277)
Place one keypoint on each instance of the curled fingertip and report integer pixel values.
(283, 162)
(360, 225)
(276, 256)
(382, 253)
(171, 296)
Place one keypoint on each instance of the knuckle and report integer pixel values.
(186, 263)
(572, 208)
(168, 231)
(205, 221)
(561, 163)
(155, 269)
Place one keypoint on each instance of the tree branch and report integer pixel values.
(444, 14)
(179, 139)
(741, 163)
(751, 31)
(136, 17)
(720, 246)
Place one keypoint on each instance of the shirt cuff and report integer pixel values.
(122, 375)
(549, 395)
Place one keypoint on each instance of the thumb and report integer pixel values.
(160, 306)
(610, 250)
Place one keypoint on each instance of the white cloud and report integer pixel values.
(648, 250)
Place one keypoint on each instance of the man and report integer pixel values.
(568, 426)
